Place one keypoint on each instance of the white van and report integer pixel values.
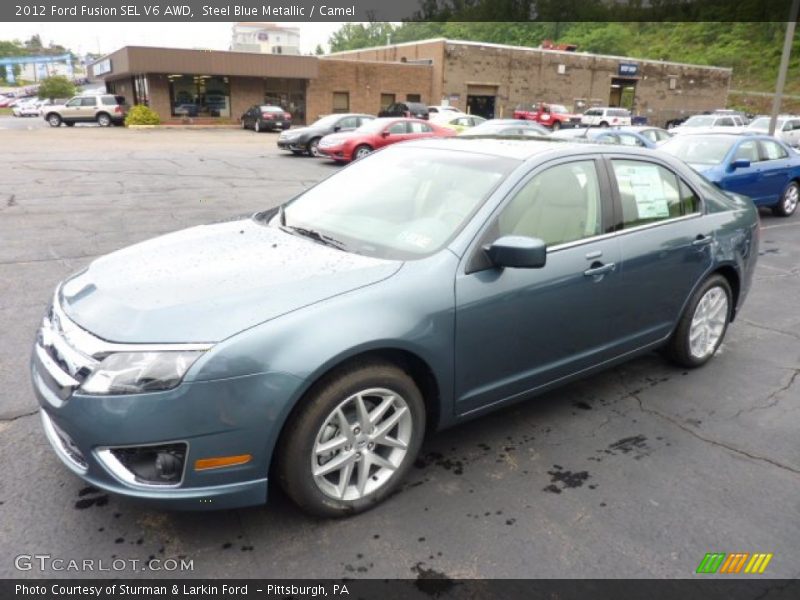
(601, 116)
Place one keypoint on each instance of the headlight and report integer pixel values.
(136, 372)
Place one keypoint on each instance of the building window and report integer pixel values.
(413, 98)
(386, 100)
(673, 83)
(341, 102)
(199, 96)
(141, 94)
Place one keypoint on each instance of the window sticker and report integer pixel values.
(645, 184)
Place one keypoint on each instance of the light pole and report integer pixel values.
(787, 51)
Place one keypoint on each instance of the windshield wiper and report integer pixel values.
(314, 235)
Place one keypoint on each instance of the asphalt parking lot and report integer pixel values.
(637, 472)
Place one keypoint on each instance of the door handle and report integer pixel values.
(702, 240)
(600, 269)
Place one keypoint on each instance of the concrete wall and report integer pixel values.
(365, 82)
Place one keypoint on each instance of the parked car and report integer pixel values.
(443, 112)
(506, 128)
(758, 166)
(739, 116)
(103, 109)
(186, 109)
(554, 116)
(787, 128)
(415, 110)
(605, 136)
(606, 117)
(460, 123)
(27, 109)
(706, 123)
(306, 139)
(315, 344)
(384, 131)
(263, 117)
(654, 134)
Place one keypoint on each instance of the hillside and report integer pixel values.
(753, 50)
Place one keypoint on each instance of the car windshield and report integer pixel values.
(400, 203)
(489, 128)
(558, 108)
(275, 109)
(326, 121)
(701, 150)
(762, 124)
(699, 121)
(374, 126)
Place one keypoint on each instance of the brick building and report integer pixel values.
(486, 79)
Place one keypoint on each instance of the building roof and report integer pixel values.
(539, 50)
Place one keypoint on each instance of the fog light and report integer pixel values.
(151, 465)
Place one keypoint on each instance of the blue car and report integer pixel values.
(314, 344)
(758, 166)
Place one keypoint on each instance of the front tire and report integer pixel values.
(313, 148)
(54, 120)
(788, 202)
(702, 327)
(556, 125)
(361, 152)
(603, 124)
(352, 441)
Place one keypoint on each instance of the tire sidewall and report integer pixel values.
(54, 120)
(104, 120)
(359, 149)
(313, 148)
(298, 439)
(781, 206)
(681, 347)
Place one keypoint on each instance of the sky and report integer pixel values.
(107, 37)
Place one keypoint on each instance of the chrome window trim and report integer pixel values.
(112, 464)
(98, 348)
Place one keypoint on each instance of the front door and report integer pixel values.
(519, 329)
(87, 108)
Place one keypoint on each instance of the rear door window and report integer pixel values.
(772, 150)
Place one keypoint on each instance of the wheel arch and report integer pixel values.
(731, 274)
(412, 363)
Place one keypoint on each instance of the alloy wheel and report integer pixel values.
(362, 152)
(790, 199)
(313, 148)
(708, 323)
(361, 444)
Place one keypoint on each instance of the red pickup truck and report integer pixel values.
(554, 116)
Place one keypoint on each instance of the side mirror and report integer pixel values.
(740, 163)
(336, 128)
(517, 252)
(385, 134)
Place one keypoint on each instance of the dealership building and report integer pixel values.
(481, 78)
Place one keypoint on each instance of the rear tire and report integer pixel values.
(788, 202)
(603, 124)
(370, 398)
(257, 127)
(104, 120)
(69, 123)
(703, 324)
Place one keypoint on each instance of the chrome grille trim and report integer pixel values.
(63, 445)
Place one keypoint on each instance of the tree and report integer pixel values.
(56, 86)
(318, 50)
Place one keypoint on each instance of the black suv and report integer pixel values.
(415, 110)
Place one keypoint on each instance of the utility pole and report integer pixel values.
(787, 51)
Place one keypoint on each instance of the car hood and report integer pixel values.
(305, 131)
(210, 282)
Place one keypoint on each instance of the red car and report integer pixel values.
(351, 145)
(554, 116)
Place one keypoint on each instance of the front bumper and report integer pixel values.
(293, 145)
(338, 153)
(225, 417)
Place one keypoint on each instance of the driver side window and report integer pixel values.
(559, 205)
(74, 102)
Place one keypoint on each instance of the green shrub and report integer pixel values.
(142, 115)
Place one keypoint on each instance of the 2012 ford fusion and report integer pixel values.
(315, 344)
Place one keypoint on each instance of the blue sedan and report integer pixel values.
(316, 343)
(758, 166)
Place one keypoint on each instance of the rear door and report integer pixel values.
(88, 108)
(666, 248)
(775, 170)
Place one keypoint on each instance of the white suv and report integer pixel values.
(606, 116)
